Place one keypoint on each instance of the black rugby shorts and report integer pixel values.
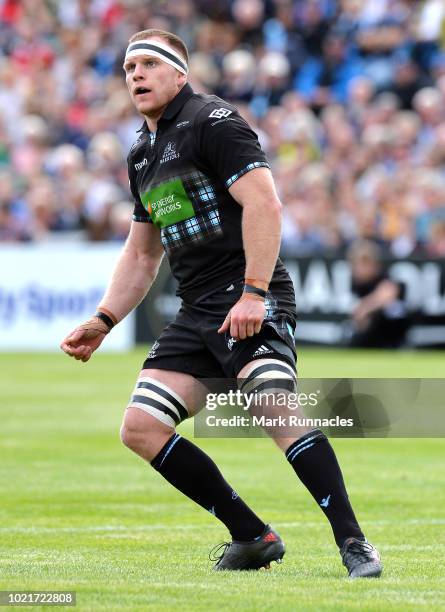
(191, 343)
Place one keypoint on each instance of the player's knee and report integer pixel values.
(129, 437)
(138, 428)
(151, 417)
(140, 431)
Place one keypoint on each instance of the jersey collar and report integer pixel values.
(174, 106)
(178, 102)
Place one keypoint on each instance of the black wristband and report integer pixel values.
(255, 290)
(105, 318)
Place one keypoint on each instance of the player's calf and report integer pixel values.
(149, 430)
(313, 460)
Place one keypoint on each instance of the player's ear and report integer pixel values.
(181, 78)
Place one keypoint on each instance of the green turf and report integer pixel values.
(80, 512)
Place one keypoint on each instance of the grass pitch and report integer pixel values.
(79, 512)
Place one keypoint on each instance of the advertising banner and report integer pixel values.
(46, 290)
(325, 300)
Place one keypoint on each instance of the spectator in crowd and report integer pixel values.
(407, 81)
(326, 79)
(379, 318)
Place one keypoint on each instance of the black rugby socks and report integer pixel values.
(192, 472)
(316, 465)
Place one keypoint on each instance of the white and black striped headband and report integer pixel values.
(157, 49)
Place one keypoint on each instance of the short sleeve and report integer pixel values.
(140, 214)
(227, 143)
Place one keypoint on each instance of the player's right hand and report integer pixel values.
(245, 318)
(85, 339)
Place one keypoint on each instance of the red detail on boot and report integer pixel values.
(270, 537)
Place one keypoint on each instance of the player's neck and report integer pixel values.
(152, 120)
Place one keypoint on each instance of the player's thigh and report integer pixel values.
(167, 396)
(160, 401)
(270, 387)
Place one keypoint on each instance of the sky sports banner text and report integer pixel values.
(325, 300)
(46, 290)
(341, 407)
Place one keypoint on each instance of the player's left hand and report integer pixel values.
(245, 318)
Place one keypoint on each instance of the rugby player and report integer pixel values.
(205, 196)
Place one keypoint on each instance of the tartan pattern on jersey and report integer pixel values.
(271, 305)
(205, 224)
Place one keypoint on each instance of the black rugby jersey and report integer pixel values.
(180, 180)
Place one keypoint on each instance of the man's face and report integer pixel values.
(152, 83)
(365, 268)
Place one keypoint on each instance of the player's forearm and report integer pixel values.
(261, 239)
(130, 282)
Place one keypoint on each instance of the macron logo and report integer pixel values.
(141, 164)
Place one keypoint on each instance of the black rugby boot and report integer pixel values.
(361, 559)
(250, 555)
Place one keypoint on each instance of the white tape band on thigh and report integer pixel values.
(275, 371)
(159, 400)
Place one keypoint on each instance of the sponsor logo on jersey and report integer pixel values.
(182, 124)
(219, 113)
(141, 164)
(169, 153)
(168, 203)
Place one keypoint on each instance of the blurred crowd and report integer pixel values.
(347, 98)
